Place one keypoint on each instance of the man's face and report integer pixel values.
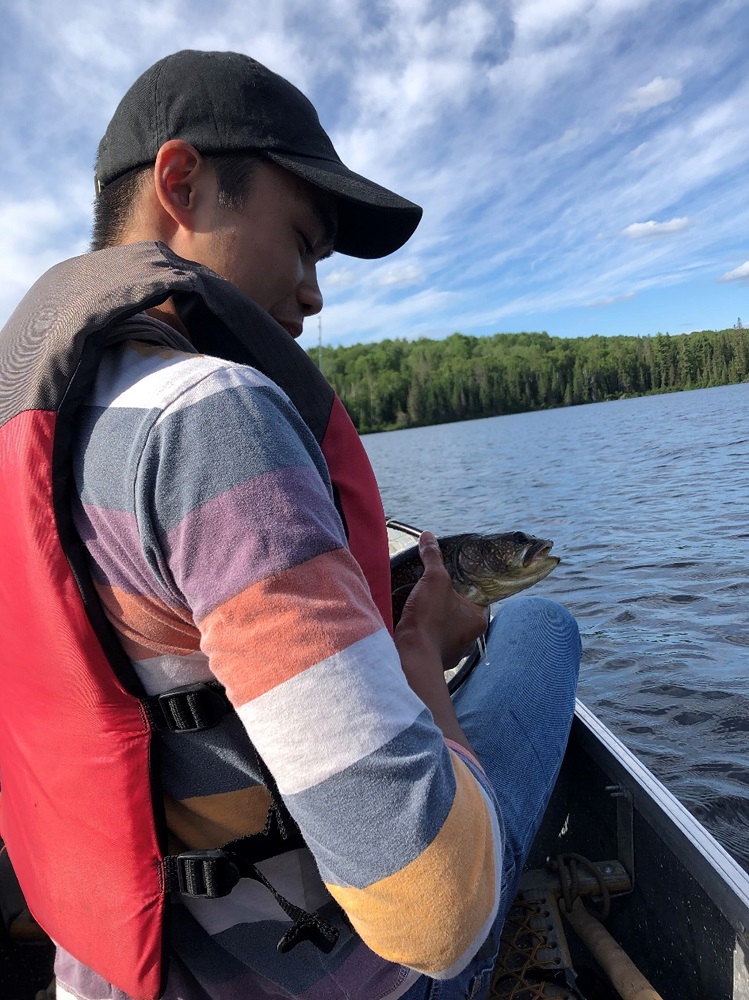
(270, 250)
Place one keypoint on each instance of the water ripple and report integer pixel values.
(645, 500)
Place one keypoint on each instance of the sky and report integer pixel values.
(582, 164)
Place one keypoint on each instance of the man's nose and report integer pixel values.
(308, 292)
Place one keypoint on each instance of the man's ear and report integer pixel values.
(180, 176)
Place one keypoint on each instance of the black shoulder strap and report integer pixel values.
(212, 874)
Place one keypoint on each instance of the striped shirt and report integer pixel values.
(206, 508)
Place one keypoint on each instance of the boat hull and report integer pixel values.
(684, 922)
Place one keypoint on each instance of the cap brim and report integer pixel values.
(372, 221)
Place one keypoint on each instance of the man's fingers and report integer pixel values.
(429, 551)
(428, 539)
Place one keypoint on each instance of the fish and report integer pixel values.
(484, 568)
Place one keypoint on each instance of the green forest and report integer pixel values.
(411, 383)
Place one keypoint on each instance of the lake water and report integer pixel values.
(646, 501)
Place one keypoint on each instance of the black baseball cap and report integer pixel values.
(224, 102)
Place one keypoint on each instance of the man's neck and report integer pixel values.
(167, 313)
(138, 232)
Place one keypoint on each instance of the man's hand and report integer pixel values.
(437, 628)
(435, 609)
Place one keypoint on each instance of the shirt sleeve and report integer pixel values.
(237, 520)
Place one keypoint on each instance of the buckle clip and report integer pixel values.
(194, 708)
(205, 874)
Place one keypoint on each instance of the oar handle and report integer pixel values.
(625, 977)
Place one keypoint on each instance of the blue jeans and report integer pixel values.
(516, 710)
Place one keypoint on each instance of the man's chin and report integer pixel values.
(293, 329)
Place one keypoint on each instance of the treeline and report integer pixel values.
(401, 383)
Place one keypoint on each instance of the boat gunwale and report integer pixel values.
(713, 868)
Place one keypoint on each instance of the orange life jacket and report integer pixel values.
(81, 808)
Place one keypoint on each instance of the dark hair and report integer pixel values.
(113, 206)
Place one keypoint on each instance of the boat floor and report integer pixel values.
(539, 957)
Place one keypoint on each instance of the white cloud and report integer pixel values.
(364, 318)
(646, 230)
(611, 300)
(638, 151)
(503, 119)
(740, 273)
(401, 276)
(35, 234)
(340, 278)
(658, 91)
(539, 20)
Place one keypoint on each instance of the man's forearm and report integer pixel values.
(423, 669)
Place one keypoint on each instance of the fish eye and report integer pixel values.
(520, 537)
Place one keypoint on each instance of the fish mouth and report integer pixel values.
(540, 549)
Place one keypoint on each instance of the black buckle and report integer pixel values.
(211, 874)
(190, 709)
(205, 874)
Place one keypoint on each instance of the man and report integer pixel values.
(232, 532)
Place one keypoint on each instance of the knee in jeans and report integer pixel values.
(567, 623)
(541, 620)
(521, 608)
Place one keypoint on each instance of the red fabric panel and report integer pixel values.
(76, 810)
(357, 487)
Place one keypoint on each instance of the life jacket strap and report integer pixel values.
(211, 874)
(205, 874)
(188, 709)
